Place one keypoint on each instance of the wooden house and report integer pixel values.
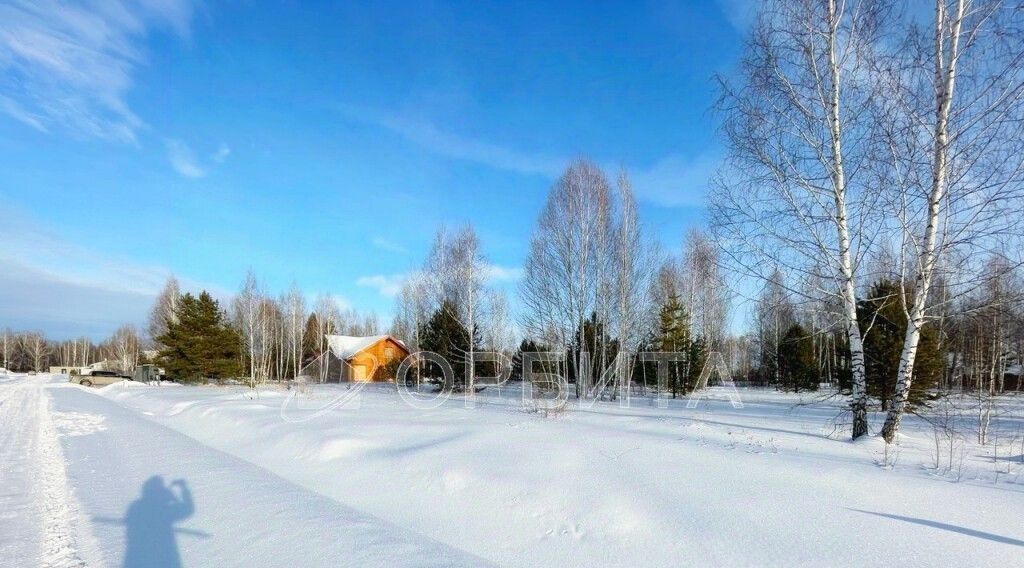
(358, 358)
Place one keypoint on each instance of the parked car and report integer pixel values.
(97, 378)
(107, 374)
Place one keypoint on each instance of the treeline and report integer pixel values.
(594, 286)
(973, 344)
(261, 338)
(25, 351)
(194, 337)
(859, 130)
(453, 306)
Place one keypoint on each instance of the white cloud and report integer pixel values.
(187, 163)
(453, 145)
(672, 181)
(675, 181)
(183, 159)
(32, 298)
(222, 153)
(389, 246)
(390, 285)
(386, 285)
(70, 64)
(498, 273)
(741, 13)
(342, 302)
(57, 286)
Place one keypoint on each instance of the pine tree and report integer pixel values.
(673, 336)
(445, 335)
(592, 337)
(698, 357)
(200, 343)
(884, 323)
(525, 346)
(312, 342)
(798, 370)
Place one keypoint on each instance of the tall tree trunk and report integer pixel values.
(849, 293)
(945, 80)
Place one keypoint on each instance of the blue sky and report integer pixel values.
(324, 143)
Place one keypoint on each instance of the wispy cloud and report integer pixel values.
(451, 145)
(741, 13)
(70, 64)
(387, 285)
(60, 287)
(342, 302)
(222, 153)
(183, 159)
(187, 163)
(672, 181)
(388, 246)
(676, 181)
(496, 273)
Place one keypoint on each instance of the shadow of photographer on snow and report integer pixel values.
(150, 532)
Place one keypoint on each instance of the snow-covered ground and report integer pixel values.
(377, 481)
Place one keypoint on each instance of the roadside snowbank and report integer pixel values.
(610, 486)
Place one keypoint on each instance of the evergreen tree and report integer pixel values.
(200, 343)
(797, 367)
(525, 346)
(311, 340)
(445, 335)
(593, 339)
(645, 372)
(884, 324)
(673, 336)
(695, 362)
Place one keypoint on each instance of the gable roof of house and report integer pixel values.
(345, 347)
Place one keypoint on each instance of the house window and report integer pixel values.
(389, 353)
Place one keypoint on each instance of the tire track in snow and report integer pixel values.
(39, 510)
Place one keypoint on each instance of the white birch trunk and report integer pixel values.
(945, 80)
(849, 294)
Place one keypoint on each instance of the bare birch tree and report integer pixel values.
(328, 320)
(705, 289)
(798, 128)
(955, 127)
(634, 268)
(295, 326)
(247, 306)
(7, 344)
(163, 309)
(560, 284)
(126, 345)
(36, 348)
(457, 271)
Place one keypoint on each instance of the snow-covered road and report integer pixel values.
(75, 466)
(37, 512)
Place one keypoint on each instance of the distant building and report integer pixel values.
(354, 358)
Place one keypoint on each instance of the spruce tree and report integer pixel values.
(592, 337)
(695, 362)
(201, 343)
(884, 324)
(525, 346)
(445, 335)
(673, 336)
(798, 370)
